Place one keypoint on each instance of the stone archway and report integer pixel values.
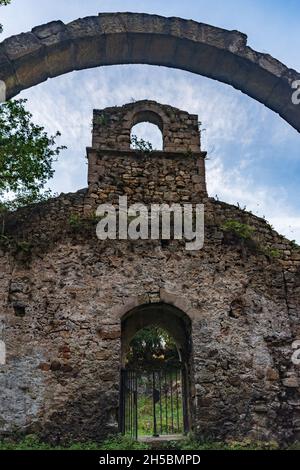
(178, 324)
(133, 38)
(155, 116)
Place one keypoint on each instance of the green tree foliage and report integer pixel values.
(141, 144)
(3, 3)
(26, 154)
(152, 347)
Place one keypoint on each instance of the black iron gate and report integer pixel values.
(152, 402)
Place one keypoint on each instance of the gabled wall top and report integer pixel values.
(112, 126)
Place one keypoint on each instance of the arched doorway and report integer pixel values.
(156, 375)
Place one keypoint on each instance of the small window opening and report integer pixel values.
(146, 137)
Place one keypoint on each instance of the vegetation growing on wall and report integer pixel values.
(246, 234)
(243, 231)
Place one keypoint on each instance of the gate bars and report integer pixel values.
(152, 402)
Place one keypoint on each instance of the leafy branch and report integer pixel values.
(3, 3)
(141, 144)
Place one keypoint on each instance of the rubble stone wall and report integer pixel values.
(61, 307)
(64, 295)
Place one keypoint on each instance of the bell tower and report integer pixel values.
(174, 175)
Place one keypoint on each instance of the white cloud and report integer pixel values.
(236, 188)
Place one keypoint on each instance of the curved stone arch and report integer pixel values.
(149, 112)
(148, 116)
(151, 118)
(133, 38)
(171, 298)
(173, 305)
(168, 317)
(154, 113)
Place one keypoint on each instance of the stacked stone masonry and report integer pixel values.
(62, 302)
(177, 174)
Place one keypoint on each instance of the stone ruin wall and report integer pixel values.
(112, 126)
(63, 297)
(176, 174)
(63, 356)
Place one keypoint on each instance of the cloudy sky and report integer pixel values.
(254, 157)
